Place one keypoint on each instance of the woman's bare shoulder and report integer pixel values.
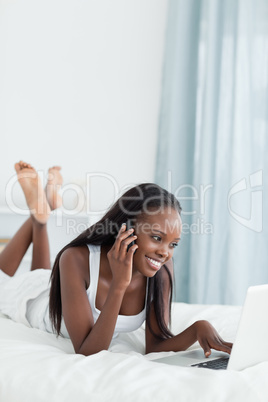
(75, 254)
(75, 261)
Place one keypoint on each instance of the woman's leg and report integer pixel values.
(41, 254)
(30, 232)
(13, 253)
(34, 229)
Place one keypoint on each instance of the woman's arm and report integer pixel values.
(201, 331)
(89, 338)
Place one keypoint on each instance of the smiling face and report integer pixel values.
(158, 235)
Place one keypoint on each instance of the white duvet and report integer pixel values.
(37, 366)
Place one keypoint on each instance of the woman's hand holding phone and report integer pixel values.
(120, 257)
(128, 225)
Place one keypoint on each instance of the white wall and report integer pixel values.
(80, 86)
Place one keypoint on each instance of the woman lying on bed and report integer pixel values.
(101, 283)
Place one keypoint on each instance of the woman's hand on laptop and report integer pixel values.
(209, 338)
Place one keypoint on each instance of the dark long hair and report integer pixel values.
(132, 204)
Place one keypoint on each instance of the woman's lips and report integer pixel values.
(153, 263)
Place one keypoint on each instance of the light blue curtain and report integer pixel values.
(213, 145)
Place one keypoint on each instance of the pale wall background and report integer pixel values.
(80, 86)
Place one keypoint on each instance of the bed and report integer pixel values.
(36, 366)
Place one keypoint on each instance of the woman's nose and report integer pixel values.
(163, 252)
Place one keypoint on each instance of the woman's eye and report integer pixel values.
(158, 238)
(174, 245)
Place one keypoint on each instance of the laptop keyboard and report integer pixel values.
(217, 364)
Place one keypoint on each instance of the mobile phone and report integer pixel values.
(129, 226)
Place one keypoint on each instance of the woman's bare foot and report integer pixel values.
(34, 194)
(53, 186)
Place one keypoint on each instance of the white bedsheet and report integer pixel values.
(36, 366)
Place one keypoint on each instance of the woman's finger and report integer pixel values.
(229, 344)
(205, 346)
(126, 242)
(123, 234)
(222, 346)
(131, 252)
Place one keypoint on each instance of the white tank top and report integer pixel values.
(124, 323)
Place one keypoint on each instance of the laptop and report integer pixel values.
(251, 342)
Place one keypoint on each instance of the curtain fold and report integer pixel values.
(213, 145)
